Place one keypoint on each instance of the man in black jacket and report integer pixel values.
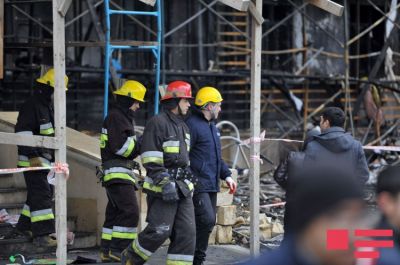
(335, 146)
(388, 200)
(324, 199)
(119, 146)
(165, 155)
(286, 170)
(36, 117)
(207, 165)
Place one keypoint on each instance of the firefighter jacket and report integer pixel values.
(118, 147)
(36, 117)
(165, 153)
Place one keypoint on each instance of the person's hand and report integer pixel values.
(231, 184)
(169, 192)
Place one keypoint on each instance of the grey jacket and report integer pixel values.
(335, 147)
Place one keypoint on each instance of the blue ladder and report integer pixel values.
(109, 48)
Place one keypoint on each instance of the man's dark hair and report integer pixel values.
(319, 190)
(389, 180)
(334, 115)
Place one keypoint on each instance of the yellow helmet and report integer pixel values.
(48, 79)
(132, 89)
(207, 94)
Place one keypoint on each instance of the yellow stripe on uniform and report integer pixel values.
(26, 211)
(106, 233)
(46, 129)
(152, 157)
(124, 232)
(171, 147)
(140, 251)
(42, 215)
(178, 259)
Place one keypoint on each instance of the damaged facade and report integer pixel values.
(304, 58)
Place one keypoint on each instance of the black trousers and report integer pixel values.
(37, 215)
(205, 205)
(173, 220)
(122, 217)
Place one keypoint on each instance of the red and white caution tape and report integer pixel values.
(55, 168)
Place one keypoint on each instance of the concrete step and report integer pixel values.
(71, 223)
(7, 181)
(5, 229)
(12, 181)
(12, 195)
(12, 208)
(22, 245)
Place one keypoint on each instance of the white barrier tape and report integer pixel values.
(55, 168)
(262, 138)
(256, 158)
(273, 205)
(22, 169)
(383, 148)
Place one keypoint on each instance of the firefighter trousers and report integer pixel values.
(37, 215)
(205, 205)
(173, 220)
(122, 217)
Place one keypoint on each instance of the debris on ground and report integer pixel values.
(272, 201)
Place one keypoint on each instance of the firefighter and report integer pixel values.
(207, 165)
(169, 187)
(36, 117)
(119, 146)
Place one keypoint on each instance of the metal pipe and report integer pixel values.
(134, 19)
(81, 15)
(316, 24)
(224, 19)
(200, 41)
(348, 108)
(108, 53)
(189, 20)
(280, 23)
(159, 41)
(309, 61)
(376, 23)
(33, 19)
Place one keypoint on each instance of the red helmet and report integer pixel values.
(178, 89)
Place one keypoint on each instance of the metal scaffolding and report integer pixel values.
(264, 70)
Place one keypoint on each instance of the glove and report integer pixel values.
(169, 193)
(231, 184)
(139, 139)
(35, 162)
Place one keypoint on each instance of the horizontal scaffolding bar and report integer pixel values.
(126, 47)
(29, 140)
(133, 13)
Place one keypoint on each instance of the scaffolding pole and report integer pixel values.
(60, 130)
(255, 120)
